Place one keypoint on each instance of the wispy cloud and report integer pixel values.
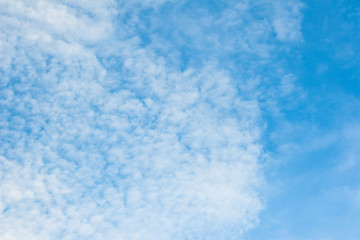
(287, 20)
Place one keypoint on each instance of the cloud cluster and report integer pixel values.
(102, 138)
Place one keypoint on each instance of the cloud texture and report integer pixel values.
(106, 134)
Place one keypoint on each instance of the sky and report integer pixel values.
(181, 120)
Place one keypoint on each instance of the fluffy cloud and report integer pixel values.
(102, 138)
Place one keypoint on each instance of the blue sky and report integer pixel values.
(165, 119)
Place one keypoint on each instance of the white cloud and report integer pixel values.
(102, 139)
(287, 85)
(287, 20)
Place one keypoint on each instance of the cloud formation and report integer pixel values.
(104, 137)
